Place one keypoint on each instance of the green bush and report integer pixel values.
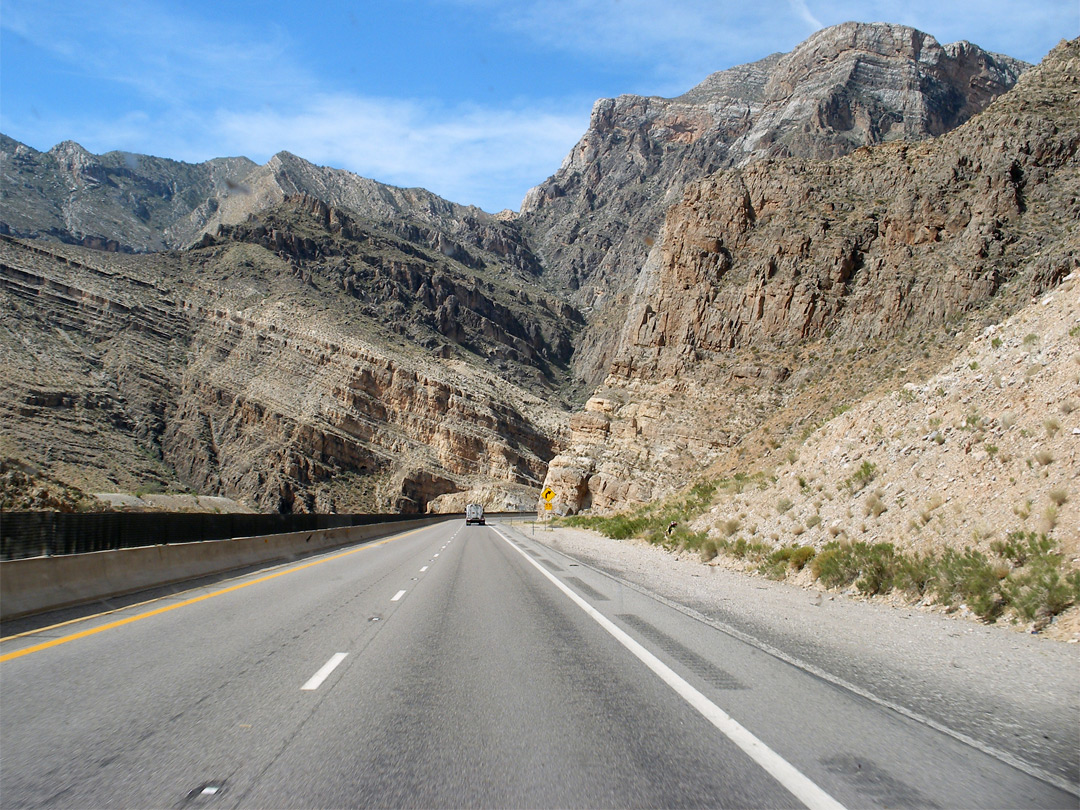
(916, 574)
(1021, 546)
(710, 549)
(1041, 589)
(833, 565)
(780, 561)
(969, 577)
(878, 567)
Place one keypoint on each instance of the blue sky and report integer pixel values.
(477, 100)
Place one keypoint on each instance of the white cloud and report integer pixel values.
(167, 57)
(475, 155)
(803, 11)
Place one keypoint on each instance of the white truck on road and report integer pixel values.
(474, 513)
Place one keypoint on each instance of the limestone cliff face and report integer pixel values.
(594, 221)
(303, 362)
(783, 280)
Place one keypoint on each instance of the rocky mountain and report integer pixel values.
(137, 203)
(118, 201)
(786, 289)
(301, 361)
(594, 221)
(299, 338)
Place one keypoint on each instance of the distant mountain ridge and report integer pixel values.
(119, 201)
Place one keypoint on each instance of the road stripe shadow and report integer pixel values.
(700, 666)
(586, 589)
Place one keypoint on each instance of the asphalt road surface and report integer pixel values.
(451, 666)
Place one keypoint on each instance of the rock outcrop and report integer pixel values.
(594, 221)
(787, 287)
(302, 362)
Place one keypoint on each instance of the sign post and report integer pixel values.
(548, 495)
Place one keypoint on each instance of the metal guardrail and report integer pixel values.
(48, 534)
(44, 534)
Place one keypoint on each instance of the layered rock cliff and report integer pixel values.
(594, 221)
(301, 362)
(783, 289)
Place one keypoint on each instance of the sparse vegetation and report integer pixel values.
(779, 562)
(866, 473)
(875, 505)
(1028, 579)
(652, 522)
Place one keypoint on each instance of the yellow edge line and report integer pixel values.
(121, 622)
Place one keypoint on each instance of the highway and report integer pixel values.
(451, 666)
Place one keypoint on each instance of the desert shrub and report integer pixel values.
(1040, 589)
(709, 550)
(858, 481)
(780, 561)
(1020, 546)
(969, 577)
(878, 567)
(813, 521)
(783, 505)
(916, 574)
(801, 556)
(834, 566)
(1049, 519)
(743, 549)
(875, 506)
(1059, 496)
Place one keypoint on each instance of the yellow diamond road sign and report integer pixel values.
(548, 494)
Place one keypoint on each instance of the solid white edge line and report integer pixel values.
(315, 681)
(801, 787)
(1003, 756)
(397, 596)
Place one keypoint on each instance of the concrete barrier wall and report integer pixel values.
(38, 584)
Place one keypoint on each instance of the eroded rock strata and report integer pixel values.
(594, 221)
(304, 362)
(788, 287)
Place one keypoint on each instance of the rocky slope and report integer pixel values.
(784, 289)
(303, 361)
(594, 221)
(985, 447)
(137, 203)
(323, 341)
(118, 201)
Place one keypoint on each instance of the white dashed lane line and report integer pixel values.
(397, 596)
(422, 570)
(315, 681)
